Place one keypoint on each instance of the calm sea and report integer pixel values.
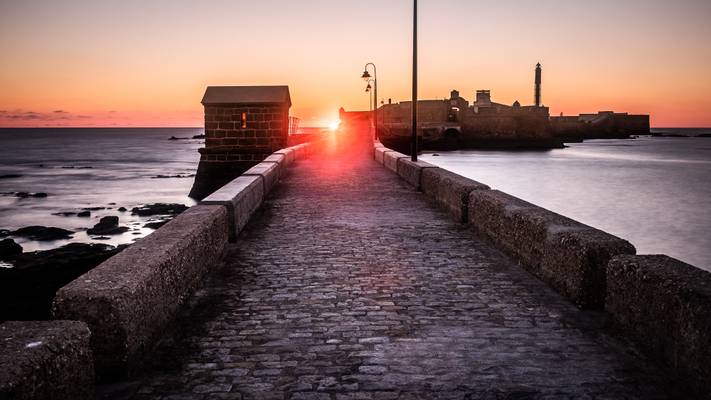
(653, 191)
(92, 168)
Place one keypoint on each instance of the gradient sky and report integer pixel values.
(147, 62)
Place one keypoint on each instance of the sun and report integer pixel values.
(334, 125)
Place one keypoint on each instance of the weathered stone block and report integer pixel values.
(130, 300)
(268, 170)
(46, 360)
(289, 155)
(449, 191)
(411, 171)
(569, 256)
(390, 159)
(664, 305)
(275, 158)
(242, 196)
(300, 151)
(380, 154)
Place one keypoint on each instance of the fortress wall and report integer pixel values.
(46, 360)
(663, 304)
(659, 302)
(635, 124)
(132, 299)
(509, 125)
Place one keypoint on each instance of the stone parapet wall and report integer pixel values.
(46, 360)
(664, 305)
(449, 191)
(661, 303)
(130, 301)
(569, 256)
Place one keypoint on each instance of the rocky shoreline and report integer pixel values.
(28, 286)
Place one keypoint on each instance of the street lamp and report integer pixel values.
(413, 145)
(366, 76)
(369, 89)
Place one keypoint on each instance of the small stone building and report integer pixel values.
(243, 125)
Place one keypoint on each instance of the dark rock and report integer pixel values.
(4, 232)
(65, 213)
(24, 195)
(112, 204)
(173, 176)
(10, 176)
(159, 209)
(199, 137)
(43, 233)
(93, 208)
(435, 155)
(178, 138)
(122, 209)
(9, 249)
(27, 290)
(706, 135)
(156, 224)
(107, 226)
(84, 214)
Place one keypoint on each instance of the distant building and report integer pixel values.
(455, 123)
(603, 125)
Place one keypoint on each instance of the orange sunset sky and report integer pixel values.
(146, 63)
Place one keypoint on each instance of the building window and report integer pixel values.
(244, 120)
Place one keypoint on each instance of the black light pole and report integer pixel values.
(366, 76)
(413, 146)
(370, 101)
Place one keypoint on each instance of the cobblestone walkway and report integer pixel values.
(349, 285)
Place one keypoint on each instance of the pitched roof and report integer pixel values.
(246, 95)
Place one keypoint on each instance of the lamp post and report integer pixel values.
(370, 101)
(366, 76)
(413, 145)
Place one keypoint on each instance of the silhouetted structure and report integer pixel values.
(243, 125)
(537, 90)
(603, 125)
(455, 123)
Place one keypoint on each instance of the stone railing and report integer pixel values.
(109, 318)
(569, 256)
(661, 303)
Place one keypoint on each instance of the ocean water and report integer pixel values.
(653, 191)
(90, 168)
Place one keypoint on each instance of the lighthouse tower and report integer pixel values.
(537, 90)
